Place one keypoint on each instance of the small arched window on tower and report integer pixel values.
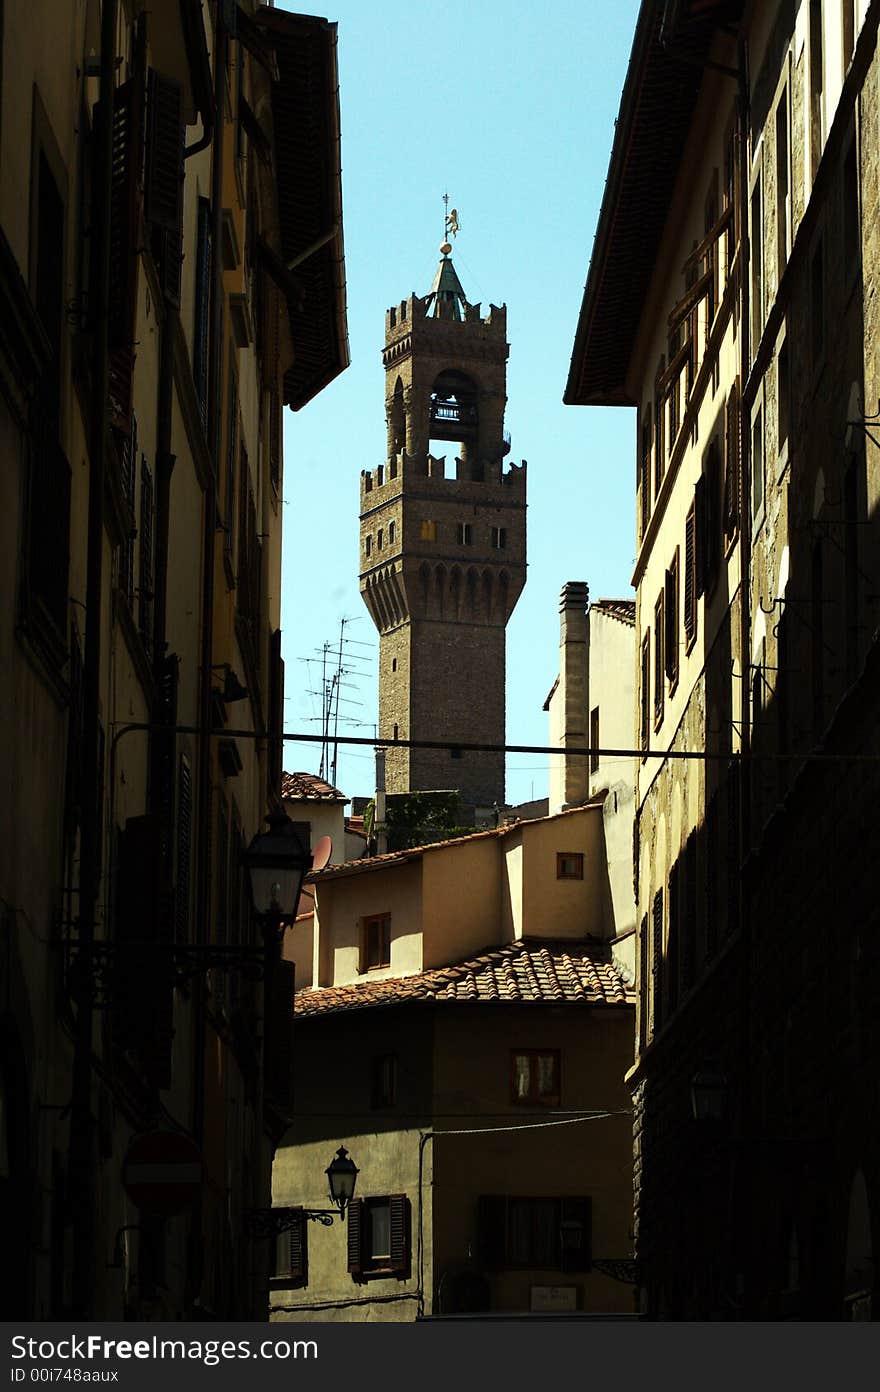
(499, 538)
(368, 545)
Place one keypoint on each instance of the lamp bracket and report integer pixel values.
(270, 1222)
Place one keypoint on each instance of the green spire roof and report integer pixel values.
(446, 298)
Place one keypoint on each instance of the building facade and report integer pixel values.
(443, 554)
(462, 992)
(746, 343)
(160, 305)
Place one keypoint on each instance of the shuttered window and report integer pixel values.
(142, 987)
(291, 1255)
(690, 576)
(204, 255)
(184, 848)
(643, 983)
(711, 543)
(672, 938)
(645, 692)
(127, 151)
(146, 558)
(657, 961)
(379, 1236)
(659, 661)
(689, 926)
(645, 475)
(550, 1233)
(163, 181)
(670, 611)
(731, 465)
(231, 443)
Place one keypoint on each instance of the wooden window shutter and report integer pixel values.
(184, 849)
(690, 588)
(712, 529)
(145, 578)
(143, 995)
(659, 659)
(672, 937)
(204, 257)
(670, 615)
(127, 141)
(576, 1225)
(643, 982)
(231, 442)
(644, 694)
(400, 1245)
(731, 464)
(492, 1229)
(164, 180)
(298, 1252)
(355, 1236)
(700, 536)
(657, 960)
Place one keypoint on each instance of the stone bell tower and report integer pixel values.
(443, 541)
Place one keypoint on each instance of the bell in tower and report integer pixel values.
(443, 541)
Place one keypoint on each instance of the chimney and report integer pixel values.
(574, 682)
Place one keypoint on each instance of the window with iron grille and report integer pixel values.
(549, 1233)
(379, 1240)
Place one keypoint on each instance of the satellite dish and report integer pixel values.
(322, 853)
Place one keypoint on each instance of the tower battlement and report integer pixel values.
(458, 478)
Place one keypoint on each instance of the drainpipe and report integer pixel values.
(203, 868)
(743, 102)
(81, 1123)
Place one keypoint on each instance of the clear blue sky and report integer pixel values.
(511, 107)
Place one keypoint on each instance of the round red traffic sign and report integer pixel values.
(162, 1171)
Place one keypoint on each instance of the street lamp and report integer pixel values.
(277, 862)
(709, 1094)
(342, 1175)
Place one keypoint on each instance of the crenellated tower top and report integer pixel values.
(443, 539)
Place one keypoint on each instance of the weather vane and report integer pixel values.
(450, 225)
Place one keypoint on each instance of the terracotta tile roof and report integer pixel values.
(532, 971)
(378, 862)
(623, 609)
(308, 785)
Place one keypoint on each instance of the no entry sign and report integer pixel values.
(162, 1171)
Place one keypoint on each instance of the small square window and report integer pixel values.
(376, 942)
(383, 1091)
(534, 1077)
(499, 538)
(569, 865)
(429, 529)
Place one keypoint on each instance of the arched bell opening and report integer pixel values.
(453, 412)
(396, 415)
